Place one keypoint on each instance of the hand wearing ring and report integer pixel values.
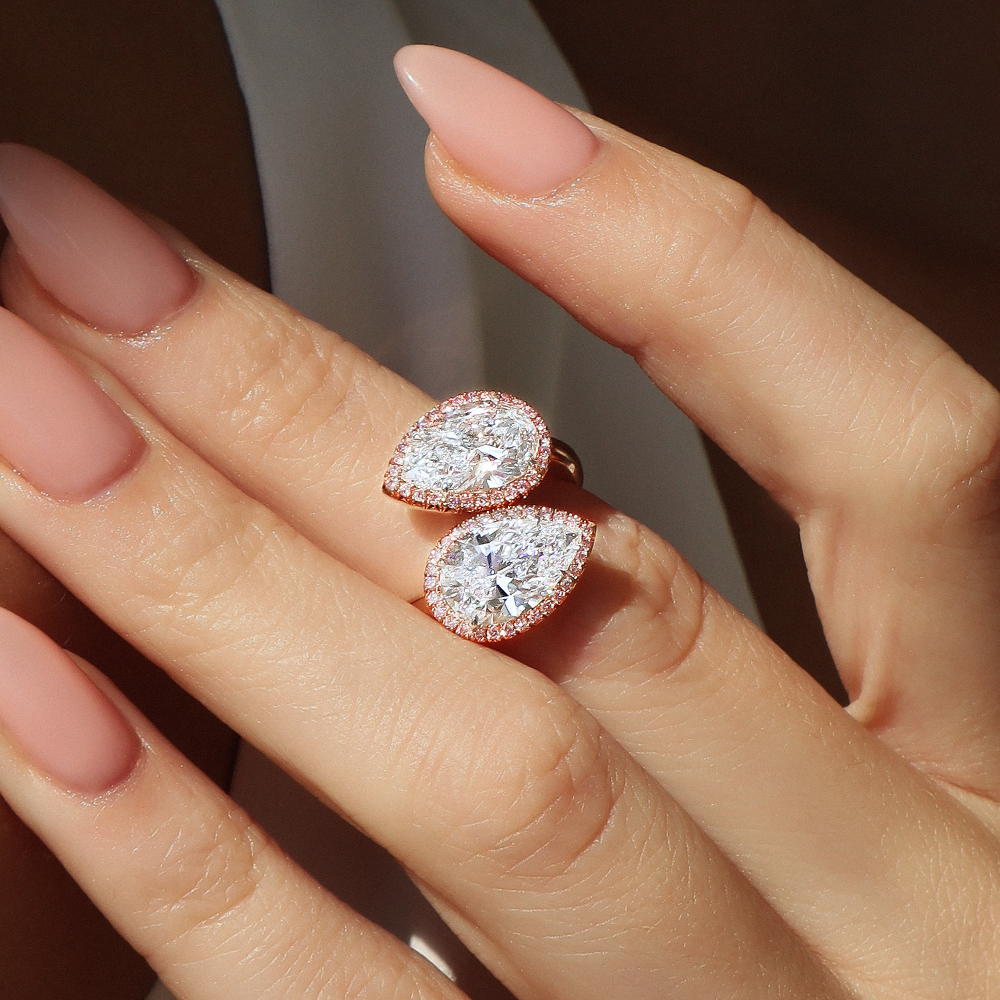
(643, 798)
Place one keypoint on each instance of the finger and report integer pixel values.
(531, 802)
(215, 906)
(806, 802)
(625, 649)
(867, 427)
(926, 712)
(485, 779)
(297, 417)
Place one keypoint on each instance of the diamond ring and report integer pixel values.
(474, 452)
(504, 570)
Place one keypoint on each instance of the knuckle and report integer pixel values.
(711, 233)
(950, 444)
(537, 812)
(206, 875)
(656, 630)
(296, 379)
(195, 560)
(978, 448)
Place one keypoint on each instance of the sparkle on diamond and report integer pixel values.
(508, 563)
(477, 448)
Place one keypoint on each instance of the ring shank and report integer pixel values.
(566, 462)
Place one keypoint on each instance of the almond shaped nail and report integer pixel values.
(57, 428)
(498, 129)
(86, 249)
(54, 712)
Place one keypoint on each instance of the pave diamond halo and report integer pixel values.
(509, 565)
(501, 572)
(473, 452)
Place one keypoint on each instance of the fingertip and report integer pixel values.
(58, 717)
(86, 249)
(497, 128)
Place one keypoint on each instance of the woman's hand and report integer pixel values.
(664, 804)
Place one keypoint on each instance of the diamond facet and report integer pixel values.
(473, 452)
(499, 573)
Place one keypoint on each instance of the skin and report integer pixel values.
(584, 783)
(154, 152)
(922, 736)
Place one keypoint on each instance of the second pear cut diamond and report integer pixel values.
(501, 572)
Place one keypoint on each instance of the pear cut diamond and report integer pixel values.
(473, 452)
(501, 572)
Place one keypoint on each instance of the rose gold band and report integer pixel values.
(568, 461)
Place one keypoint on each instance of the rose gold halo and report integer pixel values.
(445, 612)
(471, 500)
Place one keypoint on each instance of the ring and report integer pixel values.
(474, 452)
(501, 572)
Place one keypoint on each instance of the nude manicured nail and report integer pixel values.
(497, 128)
(57, 428)
(87, 250)
(53, 711)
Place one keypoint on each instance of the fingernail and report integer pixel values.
(497, 128)
(53, 711)
(57, 428)
(85, 249)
